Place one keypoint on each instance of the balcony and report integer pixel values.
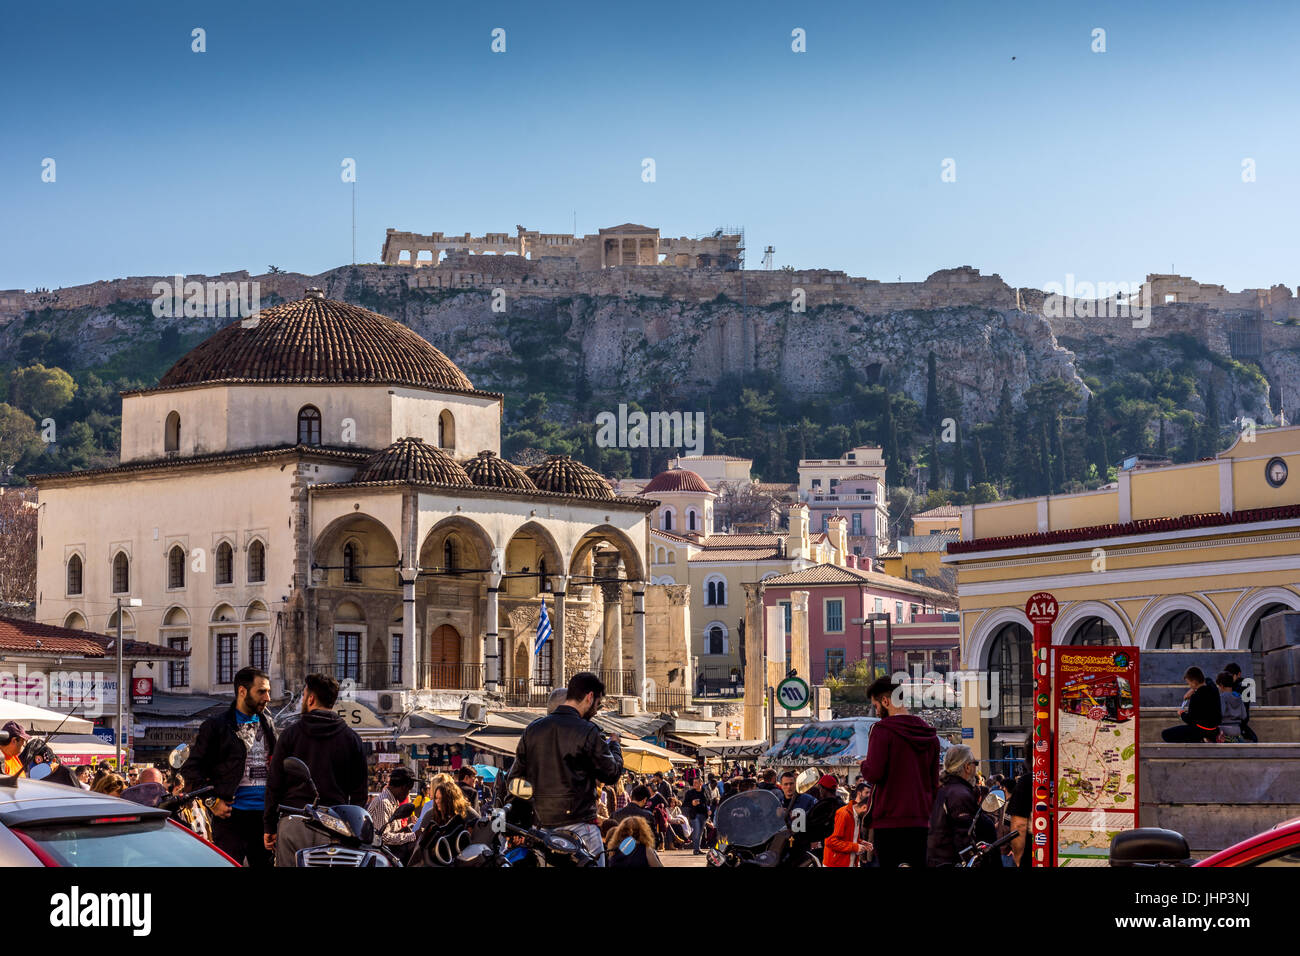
(431, 676)
(841, 499)
(526, 691)
(368, 675)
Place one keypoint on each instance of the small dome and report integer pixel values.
(677, 479)
(562, 474)
(411, 459)
(317, 340)
(488, 471)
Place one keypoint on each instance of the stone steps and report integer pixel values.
(1271, 724)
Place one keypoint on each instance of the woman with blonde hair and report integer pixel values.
(111, 784)
(641, 852)
(444, 827)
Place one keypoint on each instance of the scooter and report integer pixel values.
(350, 836)
(512, 840)
(753, 832)
(976, 852)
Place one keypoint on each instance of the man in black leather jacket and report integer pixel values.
(563, 755)
(230, 755)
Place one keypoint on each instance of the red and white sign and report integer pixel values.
(1041, 609)
(142, 690)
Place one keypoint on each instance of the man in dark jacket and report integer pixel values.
(231, 754)
(332, 752)
(1201, 712)
(563, 755)
(903, 766)
(956, 821)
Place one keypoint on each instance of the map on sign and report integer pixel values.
(1096, 751)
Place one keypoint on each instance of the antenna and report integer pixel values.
(768, 253)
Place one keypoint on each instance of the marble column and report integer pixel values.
(799, 650)
(559, 583)
(491, 643)
(755, 723)
(638, 642)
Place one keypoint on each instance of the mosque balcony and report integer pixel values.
(431, 675)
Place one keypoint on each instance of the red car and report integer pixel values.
(1152, 846)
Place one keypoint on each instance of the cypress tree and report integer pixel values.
(1004, 433)
(1209, 443)
(1058, 455)
(959, 463)
(1162, 447)
(932, 415)
(935, 471)
(979, 470)
(1044, 462)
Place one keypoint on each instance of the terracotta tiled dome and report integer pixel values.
(413, 460)
(676, 479)
(561, 473)
(318, 340)
(488, 471)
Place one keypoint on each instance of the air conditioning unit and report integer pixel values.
(390, 702)
(627, 707)
(474, 712)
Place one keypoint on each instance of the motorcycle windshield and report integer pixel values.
(749, 819)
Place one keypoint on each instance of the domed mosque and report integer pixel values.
(319, 489)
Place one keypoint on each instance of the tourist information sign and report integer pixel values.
(1041, 609)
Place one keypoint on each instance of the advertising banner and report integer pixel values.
(1041, 609)
(1095, 723)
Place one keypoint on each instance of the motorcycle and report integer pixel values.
(976, 853)
(509, 838)
(350, 836)
(752, 832)
(191, 810)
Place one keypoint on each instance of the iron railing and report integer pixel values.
(432, 676)
(369, 675)
(526, 691)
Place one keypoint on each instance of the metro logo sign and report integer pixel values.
(1041, 608)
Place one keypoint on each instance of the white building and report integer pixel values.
(321, 492)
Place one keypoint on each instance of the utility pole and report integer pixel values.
(118, 728)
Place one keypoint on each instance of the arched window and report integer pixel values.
(1011, 658)
(668, 520)
(350, 573)
(225, 563)
(450, 555)
(446, 431)
(717, 642)
(716, 593)
(257, 651)
(176, 567)
(256, 562)
(309, 425)
(121, 573)
(1184, 631)
(1094, 632)
(74, 574)
(172, 432)
(690, 520)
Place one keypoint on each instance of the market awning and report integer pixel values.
(80, 749)
(505, 744)
(691, 740)
(640, 756)
(40, 720)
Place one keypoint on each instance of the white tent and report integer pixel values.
(40, 720)
(823, 743)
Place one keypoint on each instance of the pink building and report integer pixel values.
(926, 631)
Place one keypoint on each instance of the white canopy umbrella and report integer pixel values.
(40, 720)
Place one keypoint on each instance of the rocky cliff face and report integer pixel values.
(618, 344)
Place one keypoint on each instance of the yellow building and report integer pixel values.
(937, 520)
(1185, 556)
(920, 558)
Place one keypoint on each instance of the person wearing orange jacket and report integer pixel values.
(845, 846)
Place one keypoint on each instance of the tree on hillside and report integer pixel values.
(17, 548)
(18, 437)
(932, 414)
(41, 391)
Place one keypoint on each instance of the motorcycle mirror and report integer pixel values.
(180, 753)
(402, 812)
(993, 802)
(295, 768)
(807, 779)
(627, 846)
(39, 771)
(521, 788)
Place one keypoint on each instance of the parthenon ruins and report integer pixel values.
(626, 245)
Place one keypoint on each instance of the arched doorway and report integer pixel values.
(1011, 652)
(1255, 644)
(1094, 632)
(1183, 631)
(443, 663)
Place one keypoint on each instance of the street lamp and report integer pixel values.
(117, 735)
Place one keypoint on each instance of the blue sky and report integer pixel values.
(1104, 165)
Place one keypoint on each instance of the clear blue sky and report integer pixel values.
(1105, 165)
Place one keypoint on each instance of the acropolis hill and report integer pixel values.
(686, 317)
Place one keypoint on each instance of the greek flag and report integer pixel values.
(543, 631)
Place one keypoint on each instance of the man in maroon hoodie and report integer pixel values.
(903, 765)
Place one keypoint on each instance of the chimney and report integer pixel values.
(797, 539)
(852, 560)
(838, 527)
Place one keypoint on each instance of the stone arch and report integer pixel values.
(447, 431)
(981, 635)
(1155, 614)
(1080, 611)
(256, 611)
(128, 622)
(475, 546)
(75, 621)
(544, 558)
(1246, 612)
(633, 564)
(176, 616)
(376, 546)
(223, 614)
(714, 632)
